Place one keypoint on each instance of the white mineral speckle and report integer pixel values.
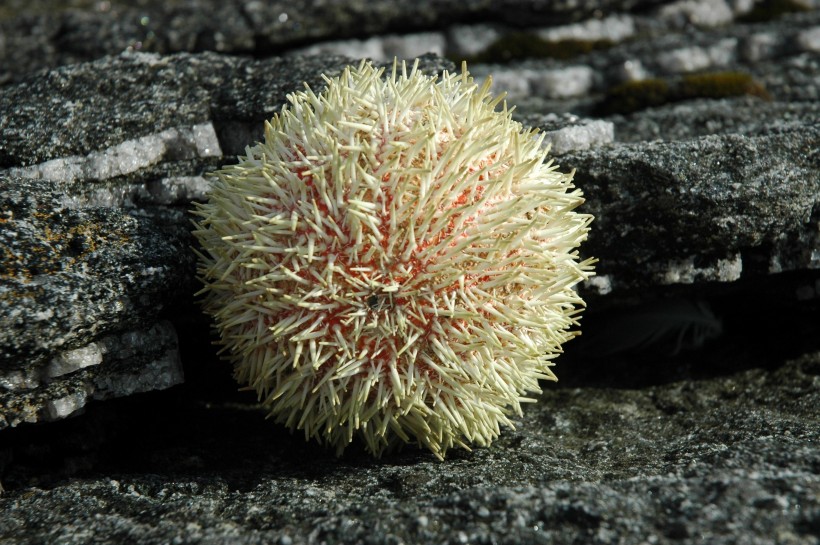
(691, 59)
(150, 271)
(65, 406)
(684, 59)
(380, 48)
(371, 48)
(43, 315)
(180, 189)
(128, 156)
(580, 137)
(73, 360)
(469, 40)
(809, 40)
(602, 284)
(729, 270)
(410, 46)
(759, 46)
(515, 83)
(566, 82)
(707, 13)
(684, 271)
(615, 28)
(814, 259)
(151, 59)
(207, 144)
(633, 70)
(19, 380)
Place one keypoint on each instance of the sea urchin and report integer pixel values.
(395, 261)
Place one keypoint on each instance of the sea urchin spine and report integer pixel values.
(395, 261)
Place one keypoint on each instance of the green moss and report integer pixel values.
(526, 45)
(720, 85)
(637, 95)
(767, 10)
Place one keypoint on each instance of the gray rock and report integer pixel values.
(697, 118)
(686, 412)
(48, 34)
(143, 95)
(567, 132)
(122, 114)
(469, 40)
(615, 28)
(80, 286)
(777, 62)
(714, 208)
(722, 458)
(95, 229)
(716, 49)
(380, 49)
(115, 365)
(701, 12)
(72, 275)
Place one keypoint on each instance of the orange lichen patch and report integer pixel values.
(56, 242)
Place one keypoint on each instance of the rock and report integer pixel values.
(567, 132)
(615, 28)
(382, 48)
(82, 290)
(53, 35)
(101, 125)
(665, 218)
(71, 275)
(700, 12)
(95, 241)
(720, 457)
(115, 365)
(687, 410)
(703, 117)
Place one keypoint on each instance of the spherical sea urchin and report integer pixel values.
(394, 261)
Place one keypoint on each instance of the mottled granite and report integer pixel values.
(686, 412)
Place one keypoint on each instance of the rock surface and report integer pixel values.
(95, 229)
(664, 218)
(686, 413)
(721, 459)
(49, 33)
